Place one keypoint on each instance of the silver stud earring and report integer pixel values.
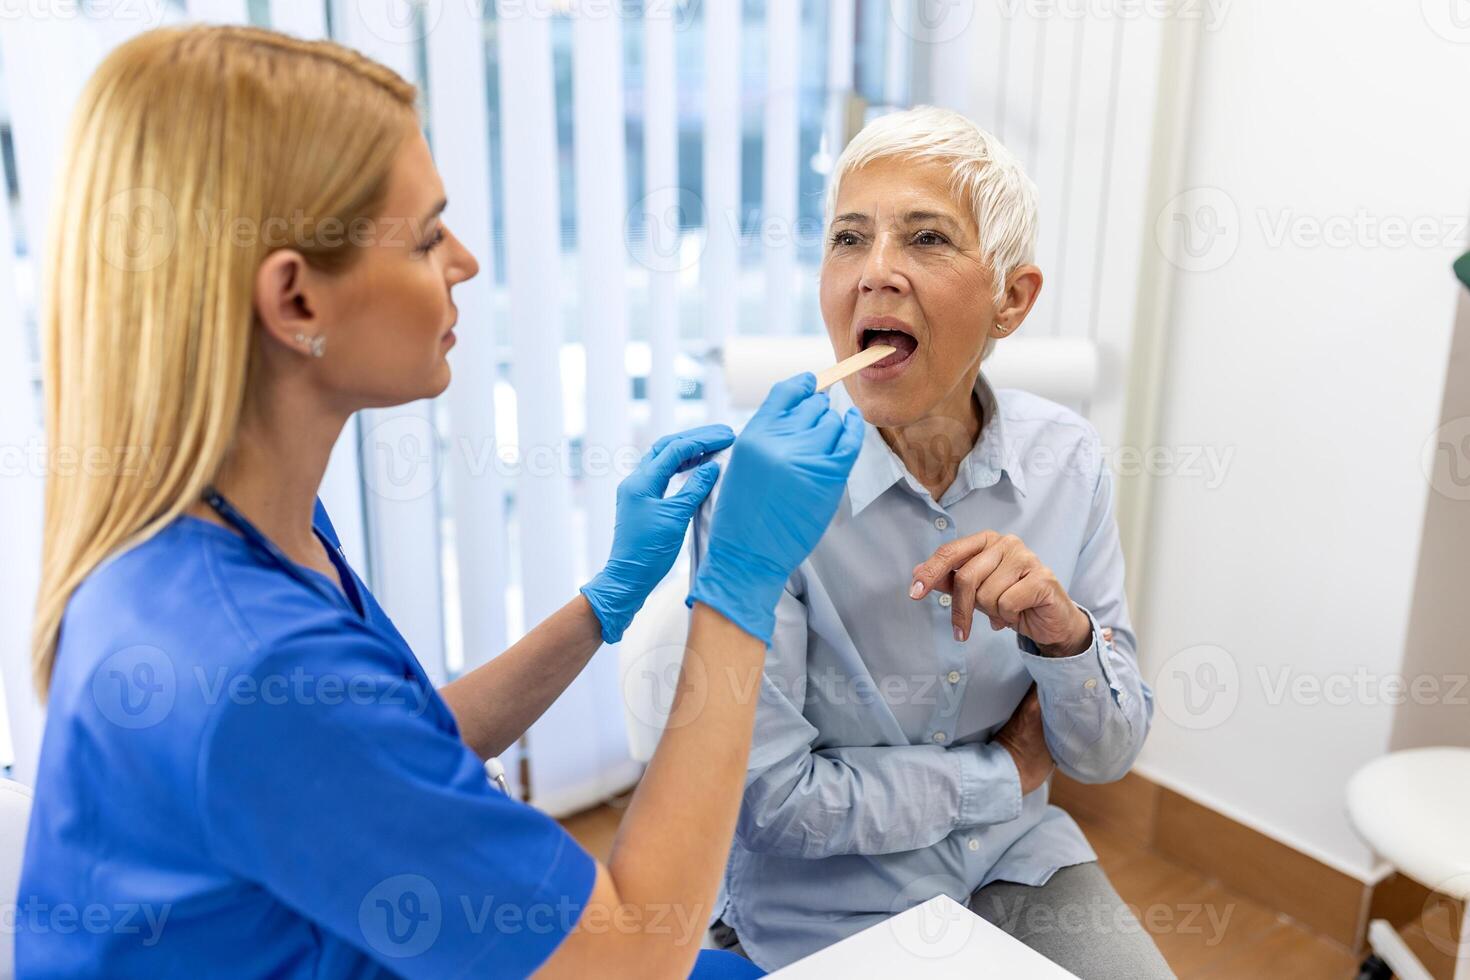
(317, 345)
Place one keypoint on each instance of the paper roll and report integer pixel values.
(753, 364)
(1062, 369)
(1059, 368)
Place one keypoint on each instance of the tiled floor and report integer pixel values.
(1203, 930)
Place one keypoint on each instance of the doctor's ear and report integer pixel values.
(287, 300)
(1023, 286)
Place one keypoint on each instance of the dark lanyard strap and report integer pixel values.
(232, 516)
(493, 768)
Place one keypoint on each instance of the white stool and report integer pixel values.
(1413, 809)
(15, 816)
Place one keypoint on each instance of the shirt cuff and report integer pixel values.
(1077, 678)
(990, 785)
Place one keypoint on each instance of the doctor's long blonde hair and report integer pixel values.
(193, 154)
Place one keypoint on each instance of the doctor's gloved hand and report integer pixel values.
(785, 478)
(649, 529)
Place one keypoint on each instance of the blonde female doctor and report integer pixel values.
(245, 771)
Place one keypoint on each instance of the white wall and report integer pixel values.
(1322, 368)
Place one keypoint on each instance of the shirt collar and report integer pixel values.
(878, 467)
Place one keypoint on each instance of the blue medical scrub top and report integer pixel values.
(242, 775)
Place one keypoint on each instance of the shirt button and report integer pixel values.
(938, 736)
(945, 600)
(974, 844)
(941, 522)
(1090, 683)
(954, 677)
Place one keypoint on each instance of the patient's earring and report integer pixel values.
(317, 345)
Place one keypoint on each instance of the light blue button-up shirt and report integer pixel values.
(873, 784)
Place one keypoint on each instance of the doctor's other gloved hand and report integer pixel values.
(784, 480)
(649, 529)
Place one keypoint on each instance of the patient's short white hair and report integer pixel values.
(985, 175)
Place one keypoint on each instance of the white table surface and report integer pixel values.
(939, 939)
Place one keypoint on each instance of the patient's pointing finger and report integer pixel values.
(935, 571)
(963, 608)
(967, 582)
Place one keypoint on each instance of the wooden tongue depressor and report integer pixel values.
(854, 364)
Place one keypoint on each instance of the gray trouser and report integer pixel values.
(1076, 920)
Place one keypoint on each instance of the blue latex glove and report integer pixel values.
(786, 476)
(649, 529)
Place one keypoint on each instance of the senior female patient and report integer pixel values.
(901, 752)
(245, 770)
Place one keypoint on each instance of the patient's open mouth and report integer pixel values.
(893, 332)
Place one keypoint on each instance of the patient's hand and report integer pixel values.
(1023, 737)
(999, 576)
